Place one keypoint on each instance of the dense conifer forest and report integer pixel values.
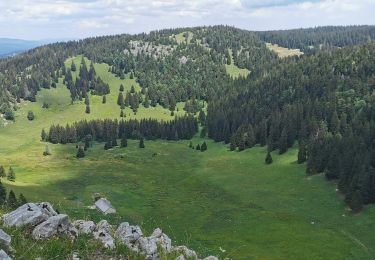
(323, 100)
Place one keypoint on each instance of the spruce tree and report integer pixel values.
(30, 115)
(88, 110)
(43, 135)
(22, 200)
(190, 144)
(12, 200)
(11, 174)
(80, 152)
(121, 88)
(2, 172)
(141, 143)
(120, 99)
(122, 113)
(203, 147)
(104, 99)
(124, 142)
(198, 147)
(268, 159)
(3, 194)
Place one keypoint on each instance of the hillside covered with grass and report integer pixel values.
(223, 201)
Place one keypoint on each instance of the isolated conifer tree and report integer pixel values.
(104, 99)
(43, 135)
(121, 88)
(3, 194)
(124, 141)
(120, 99)
(12, 200)
(141, 143)
(203, 147)
(191, 144)
(88, 110)
(198, 147)
(268, 159)
(30, 115)
(22, 200)
(2, 171)
(122, 113)
(11, 174)
(80, 152)
(132, 89)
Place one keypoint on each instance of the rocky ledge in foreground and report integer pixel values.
(47, 223)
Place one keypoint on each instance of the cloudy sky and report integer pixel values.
(59, 19)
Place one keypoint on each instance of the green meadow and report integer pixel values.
(218, 202)
(233, 70)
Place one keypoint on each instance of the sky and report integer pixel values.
(75, 19)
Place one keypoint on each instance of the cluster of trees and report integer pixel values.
(108, 130)
(11, 175)
(11, 200)
(132, 99)
(310, 40)
(326, 102)
(85, 81)
(199, 147)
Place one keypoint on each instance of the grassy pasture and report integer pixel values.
(233, 70)
(206, 200)
(283, 52)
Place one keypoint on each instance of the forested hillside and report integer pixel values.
(324, 101)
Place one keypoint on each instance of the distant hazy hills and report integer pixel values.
(10, 47)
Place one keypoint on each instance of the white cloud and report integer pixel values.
(82, 18)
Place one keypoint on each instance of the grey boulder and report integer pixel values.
(55, 225)
(148, 247)
(29, 214)
(162, 240)
(191, 254)
(103, 233)
(84, 227)
(129, 235)
(211, 258)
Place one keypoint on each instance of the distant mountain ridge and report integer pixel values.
(10, 47)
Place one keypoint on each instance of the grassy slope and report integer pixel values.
(283, 52)
(235, 71)
(205, 200)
